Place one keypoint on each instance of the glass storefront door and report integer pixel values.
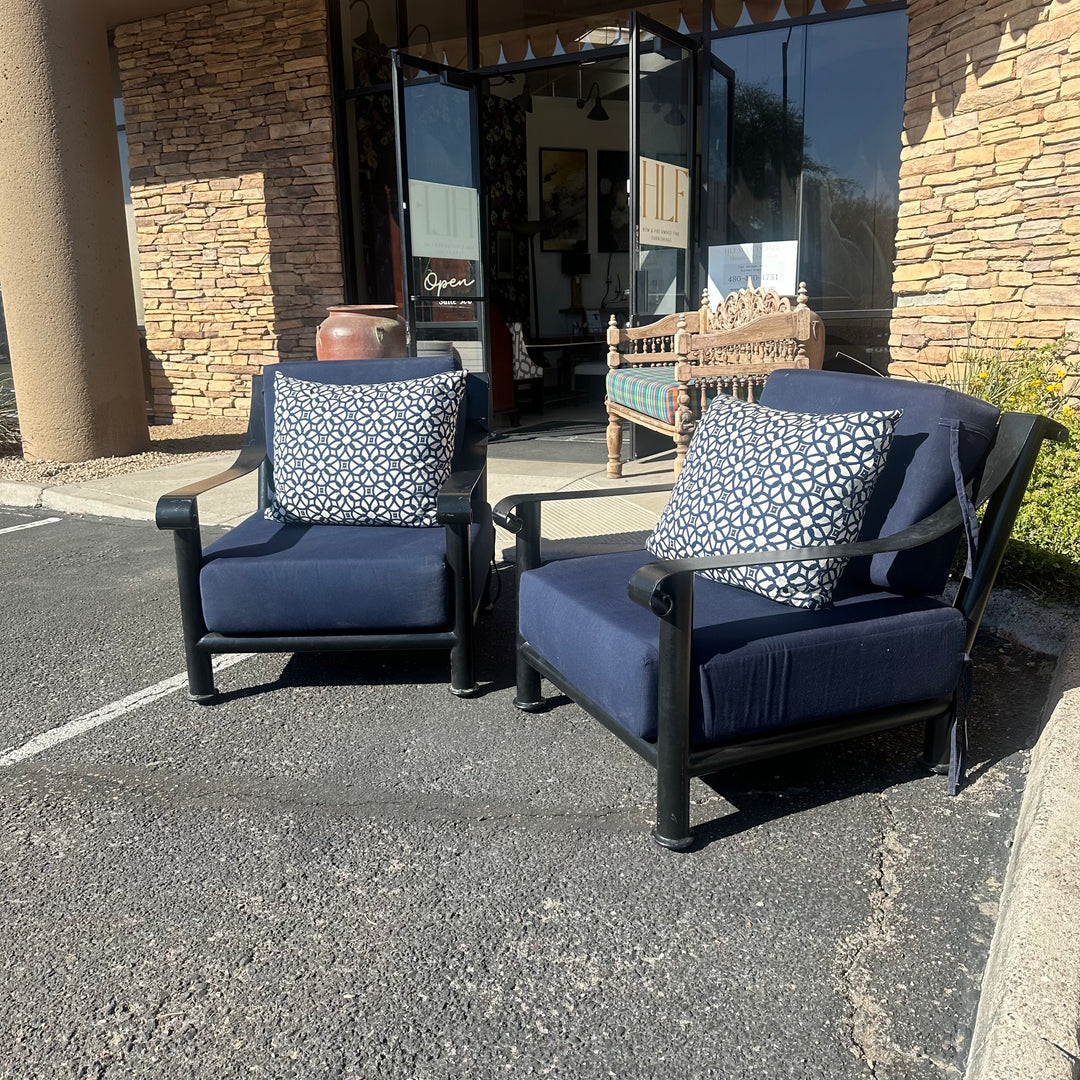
(442, 233)
(663, 173)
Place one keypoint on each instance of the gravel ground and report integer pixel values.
(170, 443)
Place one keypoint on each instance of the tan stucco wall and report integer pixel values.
(230, 132)
(988, 241)
(63, 247)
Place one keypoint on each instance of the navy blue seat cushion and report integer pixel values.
(918, 475)
(264, 577)
(761, 664)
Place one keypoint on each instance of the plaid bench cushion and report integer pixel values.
(651, 391)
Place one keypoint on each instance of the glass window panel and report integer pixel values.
(663, 97)
(817, 116)
(717, 158)
(438, 127)
(767, 137)
(855, 71)
(374, 197)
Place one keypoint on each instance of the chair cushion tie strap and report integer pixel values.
(967, 507)
(959, 738)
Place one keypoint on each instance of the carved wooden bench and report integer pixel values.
(663, 375)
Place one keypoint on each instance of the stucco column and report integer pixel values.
(64, 264)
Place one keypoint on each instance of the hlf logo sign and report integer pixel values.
(664, 192)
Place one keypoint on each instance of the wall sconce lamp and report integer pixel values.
(369, 39)
(597, 112)
(429, 51)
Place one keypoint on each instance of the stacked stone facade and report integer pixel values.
(230, 133)
(988, 242)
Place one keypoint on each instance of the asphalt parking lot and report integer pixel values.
(341, 870)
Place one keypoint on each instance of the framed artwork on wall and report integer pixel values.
(612, 200)
(564, 200)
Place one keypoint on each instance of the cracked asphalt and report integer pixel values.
(341, 870)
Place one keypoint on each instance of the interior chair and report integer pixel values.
(699, 675)
(528, 374)
(662, 376)
(307, 583)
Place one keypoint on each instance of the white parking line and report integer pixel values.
(73, 728)
(29, 525)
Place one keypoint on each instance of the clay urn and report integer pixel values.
(360, 332)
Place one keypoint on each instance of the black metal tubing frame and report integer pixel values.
(178, 512)
(666, 588)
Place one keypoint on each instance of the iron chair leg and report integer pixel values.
(200, 667)
(200, 670)
(937, 742)
(462, 678)
(673, 721)
(529, 697)
(462, 664)
(527, 557)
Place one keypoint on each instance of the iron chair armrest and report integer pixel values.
(178, 509)
(517, 524)
(1007, 470)
(455, 500)
(650, 583)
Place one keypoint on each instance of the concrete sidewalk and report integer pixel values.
(1029, 1006)
(134, 495)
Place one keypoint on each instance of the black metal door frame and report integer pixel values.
(467, 82)
(642, 23)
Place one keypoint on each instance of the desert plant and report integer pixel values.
(1044, 553)
(9, 422)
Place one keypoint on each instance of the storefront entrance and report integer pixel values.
(623, 175)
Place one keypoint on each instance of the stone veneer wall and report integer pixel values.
(988, 240)
(229, 124)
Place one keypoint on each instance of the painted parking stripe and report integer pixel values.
(74, 728)
(29, 525)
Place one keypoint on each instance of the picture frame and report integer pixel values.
(564, 199)
(504, 255)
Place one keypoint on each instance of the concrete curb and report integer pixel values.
(1029, 1007)
(20, 493)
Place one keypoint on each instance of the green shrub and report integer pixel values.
(1044, 553)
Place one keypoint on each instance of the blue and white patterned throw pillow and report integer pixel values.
(757, 478)
(363, 455)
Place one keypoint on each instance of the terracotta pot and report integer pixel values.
(360, 332)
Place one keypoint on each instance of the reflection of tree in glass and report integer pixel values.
(865, 226)
(376, 193)
(768, 154)
(847, 236)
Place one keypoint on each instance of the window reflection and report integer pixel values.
(436, 31)
(375, 198)
(815, 151)
(853, 112)
(509, 34)
(767, 139)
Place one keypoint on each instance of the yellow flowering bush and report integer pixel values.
(1044, 553)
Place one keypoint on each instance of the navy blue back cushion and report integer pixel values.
(918, 475)
(348, 373)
